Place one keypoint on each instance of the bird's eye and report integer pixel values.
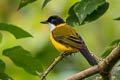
(52, 20)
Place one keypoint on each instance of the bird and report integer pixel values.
(66, 39)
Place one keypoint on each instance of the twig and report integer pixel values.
(104, 67)
(59, 58)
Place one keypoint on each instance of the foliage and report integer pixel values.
(24, 59)
(118, 18)
(115, 42)
(86, 11)
(2, 66)
(24, 3)
(1, 37)
(45, 3)
(80, 13)
(110, 48)
(3, 76)
(16, 31)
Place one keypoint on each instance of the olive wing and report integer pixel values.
(68, 36)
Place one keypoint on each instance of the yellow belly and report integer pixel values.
(60, 47)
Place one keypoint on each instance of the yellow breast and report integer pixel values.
(60, 47)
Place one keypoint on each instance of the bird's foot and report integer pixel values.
(65, 54)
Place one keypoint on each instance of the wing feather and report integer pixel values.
(68, 36)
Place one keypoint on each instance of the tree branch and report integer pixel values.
(57, 60)
(104, 67)
(83, 74)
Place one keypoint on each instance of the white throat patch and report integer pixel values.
(52, 26)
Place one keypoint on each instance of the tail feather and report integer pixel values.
(91, 60)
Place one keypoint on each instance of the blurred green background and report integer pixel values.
(97, 35)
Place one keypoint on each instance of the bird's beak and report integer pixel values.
(44, 22)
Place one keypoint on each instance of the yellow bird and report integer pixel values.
(66, 39)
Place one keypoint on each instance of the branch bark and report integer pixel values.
(104, 67)
(83, 74)
(57, 60)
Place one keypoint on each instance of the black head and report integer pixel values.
(54, 20)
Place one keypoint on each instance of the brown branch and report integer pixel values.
(57, 60)
(111, 60)
(104, 67)
(83, 74)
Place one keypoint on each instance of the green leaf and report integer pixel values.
(116, 72)
(97, 13)
(24, 59)
(116, 42)
(1, 37)
(118, 18)
(24, 3)
(109, 49)
(86, 11)
(72, 18)
(2, 66)
(45, 3)
(16, 31)
(4, 76)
